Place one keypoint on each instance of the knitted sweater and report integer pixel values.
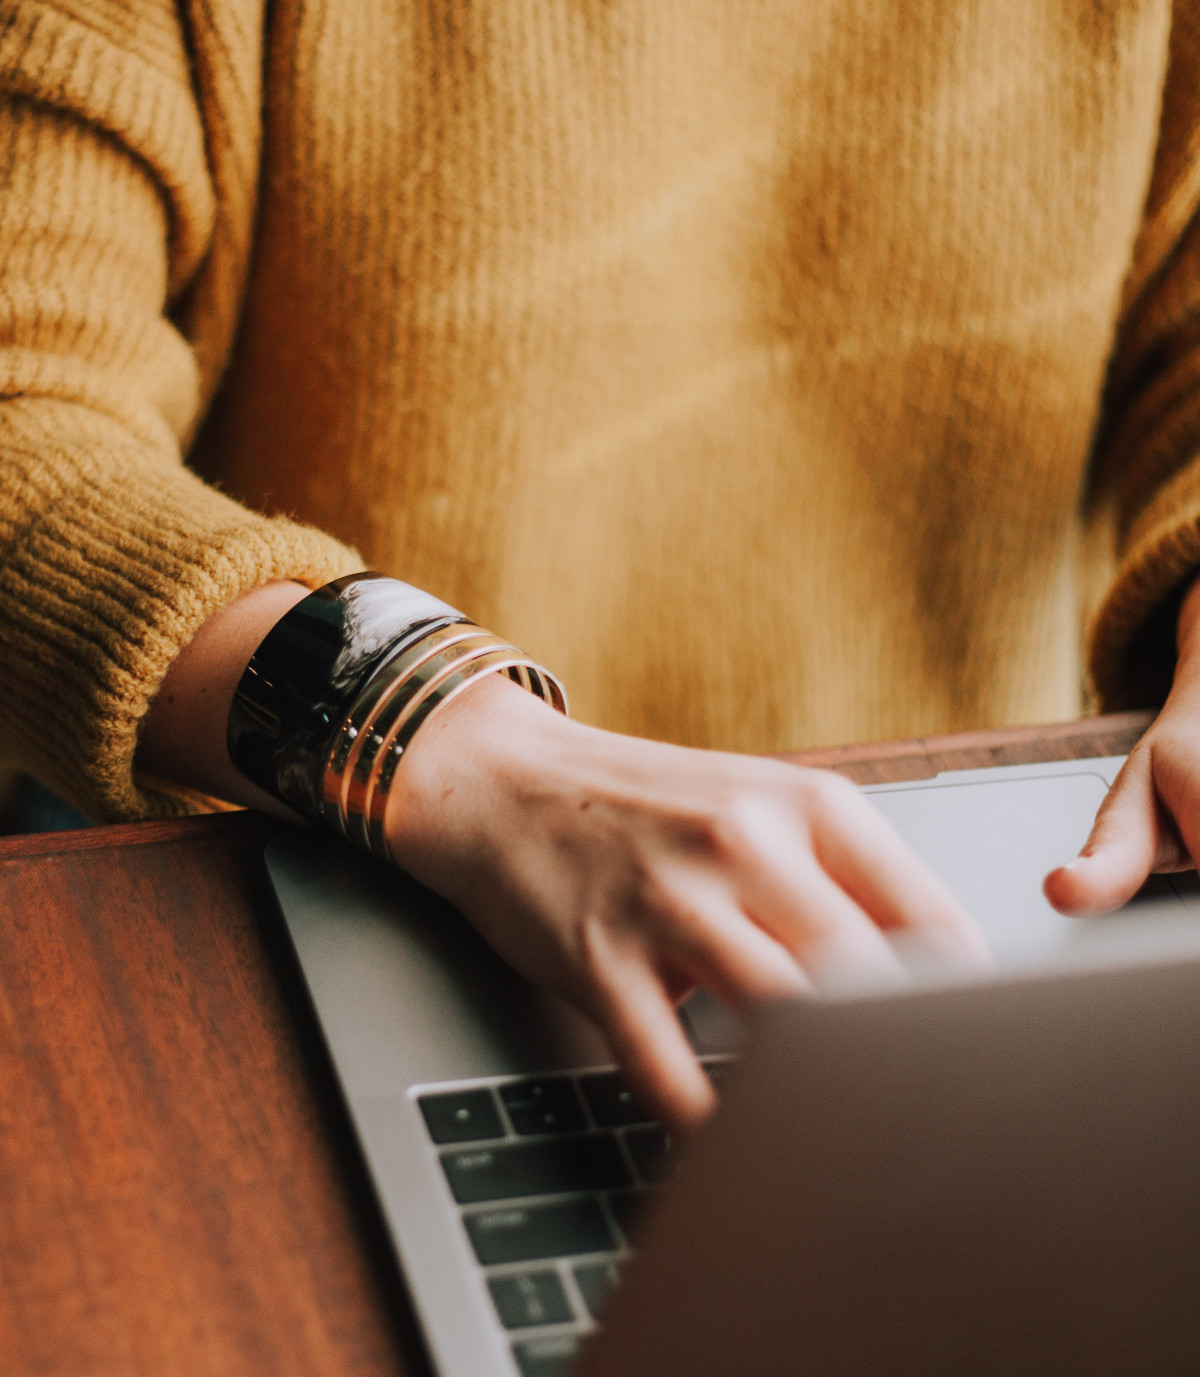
(777, 373)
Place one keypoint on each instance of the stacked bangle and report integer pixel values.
(400, 696)
(331, 699)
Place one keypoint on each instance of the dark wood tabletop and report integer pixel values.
(179, 1191)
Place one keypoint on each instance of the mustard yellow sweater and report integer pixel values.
(778, 373)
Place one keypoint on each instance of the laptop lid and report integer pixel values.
(991, 1181)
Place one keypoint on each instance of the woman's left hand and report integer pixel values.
(1150, 820)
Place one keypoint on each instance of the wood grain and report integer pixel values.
(178, 1190)
(170, 1194)
(883, 762)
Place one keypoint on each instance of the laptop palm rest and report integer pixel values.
(404, 987)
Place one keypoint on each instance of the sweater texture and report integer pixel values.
(778, 374)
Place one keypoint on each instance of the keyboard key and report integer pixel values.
(543, 1106)
(628, 1208)
(650, 1149)
(546, 1357)
(510, 1170)
(530, 1298)
(463, 1116)
(596, 1281)
(530, 1232)
(611, 1100)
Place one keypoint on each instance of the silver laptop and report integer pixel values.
(892, 1184)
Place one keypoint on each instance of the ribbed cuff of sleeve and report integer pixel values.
(114, 559)
(1131, 641)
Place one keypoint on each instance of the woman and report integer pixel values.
(741, 364)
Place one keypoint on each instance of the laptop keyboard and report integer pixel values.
(550, 1175)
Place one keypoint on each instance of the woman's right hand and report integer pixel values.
(625, 872)
(621, 872)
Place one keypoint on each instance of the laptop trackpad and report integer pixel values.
(994, 841)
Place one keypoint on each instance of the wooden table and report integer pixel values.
(179, 1193)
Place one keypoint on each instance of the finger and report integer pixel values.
(1175, 769)
(645, 1035)
(837, 945)
(788, 894)
(1122, 849)
(861, 850)
(712, 939)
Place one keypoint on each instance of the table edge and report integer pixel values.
(867, 763)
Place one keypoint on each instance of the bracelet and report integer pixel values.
(339, 687)
(402, 695)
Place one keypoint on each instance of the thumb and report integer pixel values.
(1120, 852)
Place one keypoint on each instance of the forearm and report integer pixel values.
(183, 738)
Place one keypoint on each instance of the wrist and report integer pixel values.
(333, 698)
(183, 736)
(479, 746)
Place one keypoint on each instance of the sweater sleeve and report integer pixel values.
(112, 553)
(1144, 507)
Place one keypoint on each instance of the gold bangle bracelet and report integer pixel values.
(405, 700)
(369, 714)
(365, 707)
(401, 695)
(505, 660)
